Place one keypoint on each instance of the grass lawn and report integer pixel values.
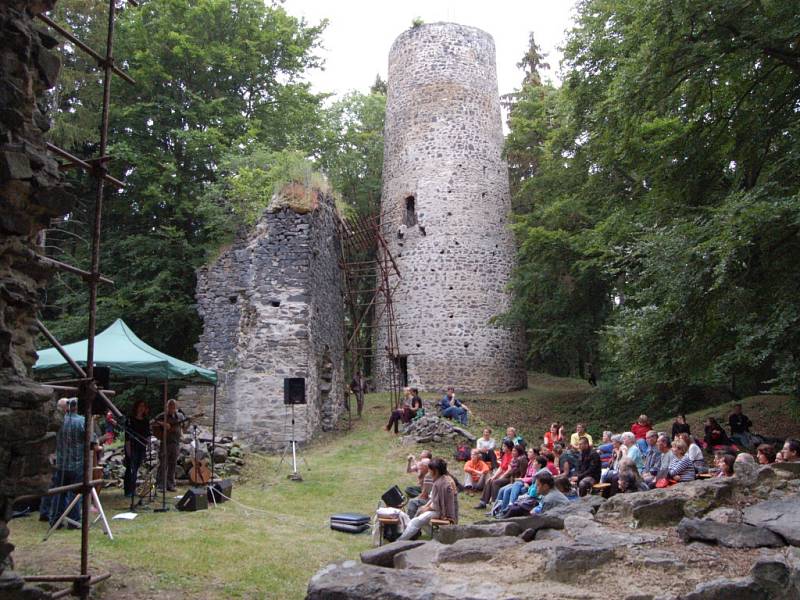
(232, 552)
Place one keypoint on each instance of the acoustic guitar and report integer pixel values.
(158, 424)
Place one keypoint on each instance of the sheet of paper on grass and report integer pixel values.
(128, 516)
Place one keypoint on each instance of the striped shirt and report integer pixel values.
(682, 468)
(69, 444)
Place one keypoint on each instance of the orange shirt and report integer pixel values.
(476, 468)
(549, 439)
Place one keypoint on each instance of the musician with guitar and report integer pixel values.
(175, 424)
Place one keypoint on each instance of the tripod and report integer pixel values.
(292, 443)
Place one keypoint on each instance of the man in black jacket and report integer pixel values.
(740, 426)
(588, 470)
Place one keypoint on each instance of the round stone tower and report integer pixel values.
(445, 215)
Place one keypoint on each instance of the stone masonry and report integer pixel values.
(31, 193)
(446, 206)
(272, 308)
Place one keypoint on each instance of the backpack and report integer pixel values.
(462, 453)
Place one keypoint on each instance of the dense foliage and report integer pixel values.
(658, 196)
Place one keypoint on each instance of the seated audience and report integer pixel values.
(682, 468)
(587, 473)
(641, 427)
(566, 459)
(553, 435)
(606, 449)
(740, 427)
(402, 412)
(475, 471)
(694, 453)
(442, 503)
(634, 454)
(766, 454)
(680, 426)
(509, 493)
(663, 445)
(618, 453)
(550, 495)
(715, 436)
(502, 474)
(725, 465)
(485, 445)
(551, 464)
(564, 486)
(745, 457)
(791, 451)
(453, 408)
(629, 480)
(652, 457)
(426, 482)
(511, 434)
(580, 433)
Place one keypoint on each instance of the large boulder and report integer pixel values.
(779, 516)
(481, 551)
(727, 534)
(383, 556)
(421, 557)
(452, 533)
(565, 562)
(535, 522)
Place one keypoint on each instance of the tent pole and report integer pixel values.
(213, 431)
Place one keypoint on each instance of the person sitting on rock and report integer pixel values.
(634, 453)
(740, 427)
(553, 435)
(682, 468)
(619, 452)
(402, 412)
(580, 433)
(426, 482)
(564, 486)
(606, 449)
(664, 447)
(503, 475)
(475, 471)
(452, 408)
(791, 451)
(550, 495)
(486, 445)
(508, 494)
(417, 407)
(587, 473)
(725, 464)
(694, 453)
(566, 459)
(766, 454)
(442, 503)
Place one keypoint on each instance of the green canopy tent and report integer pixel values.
(128, 357)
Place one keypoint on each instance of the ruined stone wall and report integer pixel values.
(272, 308)
(31, 193)
(443, 144)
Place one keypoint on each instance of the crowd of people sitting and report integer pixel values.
(514, 478)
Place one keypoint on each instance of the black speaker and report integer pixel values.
(102, 376)
(220, 491)
(393, 497)
(294, 390)
(193, 499)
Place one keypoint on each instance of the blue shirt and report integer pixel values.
(445, 403)
(69, 443)
(636, 456)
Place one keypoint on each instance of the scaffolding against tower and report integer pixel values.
(369, 277)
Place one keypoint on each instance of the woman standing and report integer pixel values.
(137, 436)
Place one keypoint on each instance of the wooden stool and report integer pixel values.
(704, 475)
(436, 523)
(598, 488)
(383, 522)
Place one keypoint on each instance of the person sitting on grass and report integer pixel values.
(682, 468)
(511, 434)
(475, 471)
(452, 407)
(740, 427)
(442, 503)
(503, 475)
(766, 454)
(426, 482)
(680, 426)
(553, 435)
(508, 494)
(715, 437)
(550, 495)
(485, 445)
(587, 473)
(791, 451)
(580, 433)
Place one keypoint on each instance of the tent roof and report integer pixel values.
(120, 349)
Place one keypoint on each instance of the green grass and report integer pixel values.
(232, 552)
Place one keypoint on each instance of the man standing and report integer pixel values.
(174, 423)
(357, 386)
(740, 427)
(588, 471)
(69, 462)
(47, 501)
(452, 408)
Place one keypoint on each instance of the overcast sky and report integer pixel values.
(357, 40)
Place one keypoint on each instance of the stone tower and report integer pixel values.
(445, 213)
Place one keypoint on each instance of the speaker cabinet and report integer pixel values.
(220, 491)
(294, 390)
(194, 499)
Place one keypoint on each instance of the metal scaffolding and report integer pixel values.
(370, 276)
(86, 386)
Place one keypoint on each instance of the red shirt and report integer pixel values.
(639, 430)
(549, 439)
(505, 461)
(553, 469)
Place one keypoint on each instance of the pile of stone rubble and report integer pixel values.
(227, 453)
(718, 539)
(432, 429)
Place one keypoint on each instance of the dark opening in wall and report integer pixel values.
(232, 299)
(275, 303)
(402, 368)
(410, 218)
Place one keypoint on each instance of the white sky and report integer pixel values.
(357, 40)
